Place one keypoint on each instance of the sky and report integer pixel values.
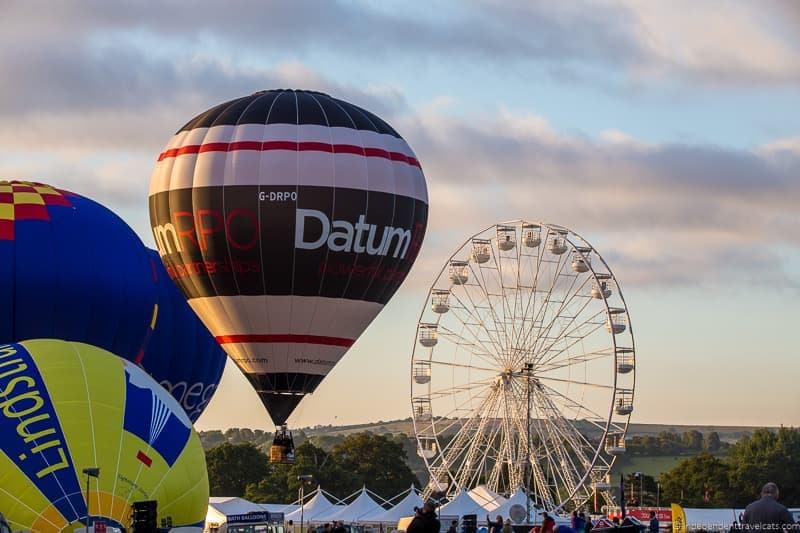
(666, 133)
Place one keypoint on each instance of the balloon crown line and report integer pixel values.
(265, 91)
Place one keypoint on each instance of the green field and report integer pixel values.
(652, 465)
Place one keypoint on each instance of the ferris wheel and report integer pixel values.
(523, 368)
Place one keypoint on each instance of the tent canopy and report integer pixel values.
(515, 508)
(403, 508)
(460, 505)
(219, 507)
(316, 506)
(362, 506)
(487, 498)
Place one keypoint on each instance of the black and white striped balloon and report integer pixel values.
(288, 218)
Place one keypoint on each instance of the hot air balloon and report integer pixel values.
(71, 269)
(73, 414)
(288, 218)
(181, 351)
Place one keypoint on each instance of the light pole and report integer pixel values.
(91, 472)
(658, 494)
(641, 487)
(303, 479)
(528, 459)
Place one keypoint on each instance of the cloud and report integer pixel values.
(662, 214)
(789, 146)
(96, 97)
(102, 112)
(717, 42)
(482, 27)
(126, 54)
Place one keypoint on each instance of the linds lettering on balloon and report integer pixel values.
(21, 399)
(342, 236)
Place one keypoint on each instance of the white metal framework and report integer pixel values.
(523, 368)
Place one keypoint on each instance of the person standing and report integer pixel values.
(548, 523)
(453, 527)
(425, 521)
(587, 522)
(653, 522)
(496, 526)
(766, 513)
(578, 522)
(507, 526)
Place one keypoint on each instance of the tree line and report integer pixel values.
(670, 443)
(736, 479)
(361, 459)
(732, 480)
(718, 474)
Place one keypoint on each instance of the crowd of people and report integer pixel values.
(329, 527)
(764, 514)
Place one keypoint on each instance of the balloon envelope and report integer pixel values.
(289, 219)
(68, 406)
(71, 269)
(182, 352)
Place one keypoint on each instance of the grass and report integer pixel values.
(651, 465)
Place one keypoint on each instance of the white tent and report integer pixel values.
(362, 506)
(462, 504)
(515, 508)
(488, 499)
(284, 508)
(220, 507)
(403, 508)
(316, 506)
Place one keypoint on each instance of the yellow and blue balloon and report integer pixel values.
(67, 406)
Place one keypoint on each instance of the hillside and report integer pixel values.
(405, 426)
(651, 462)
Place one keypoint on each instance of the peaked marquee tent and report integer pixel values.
(317, 506)
(460, 505)
(488, 499)
(362, 506)
(515, 508)
(401, 509)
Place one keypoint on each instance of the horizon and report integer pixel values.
(711, 427)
